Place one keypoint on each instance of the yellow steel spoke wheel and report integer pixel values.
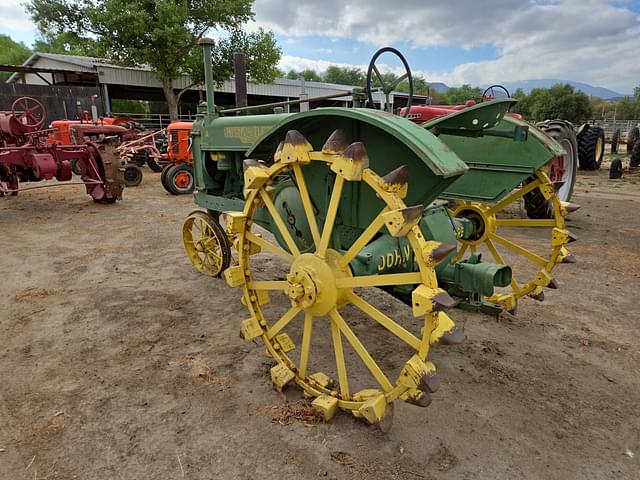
(531, 247)
(309, 329)
(206, 243)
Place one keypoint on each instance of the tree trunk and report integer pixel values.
(172, 99)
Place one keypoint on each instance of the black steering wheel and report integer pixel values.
(489, 93)
(388, 88)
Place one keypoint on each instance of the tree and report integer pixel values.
(13, 53)
(345, 76)
(308, 74)
(459, 95)
(69, 44)
(163, 35)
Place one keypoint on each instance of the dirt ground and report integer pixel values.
(119, 361)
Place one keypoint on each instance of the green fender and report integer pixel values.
(390, 141)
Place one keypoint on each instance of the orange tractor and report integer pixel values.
(176, 162)
(177, 178)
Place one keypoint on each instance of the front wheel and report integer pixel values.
(132, 175)
(180, 179)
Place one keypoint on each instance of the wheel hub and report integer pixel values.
(312, 282)
(182, 180)
(484, 222)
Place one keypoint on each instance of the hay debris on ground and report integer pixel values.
(301, 411)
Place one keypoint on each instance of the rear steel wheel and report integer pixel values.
(531, 247)
(315, 317)
(206, 243)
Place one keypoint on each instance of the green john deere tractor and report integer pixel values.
(323, 209)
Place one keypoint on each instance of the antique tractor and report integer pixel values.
(326, 208)
(26, 156)
(174, 163)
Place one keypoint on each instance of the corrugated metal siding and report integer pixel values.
(141, 77)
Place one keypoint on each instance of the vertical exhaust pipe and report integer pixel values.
(240, 77)
(207, 44)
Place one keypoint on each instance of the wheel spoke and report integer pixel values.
(283, 322)
(306, 344)
(306, 203)
(408, 278)
(364, 238)
(397, 81)
(399, 331)
(293, 248)
(522, 222)
(377, 72)
(330, 219)
(462, 251)
(498, 258)
(268, 285)
(519, 250)
(361, 351)
(340, 365)
(269, 247)
(512, 197)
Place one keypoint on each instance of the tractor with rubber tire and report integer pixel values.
(561, 170)
(327, 209)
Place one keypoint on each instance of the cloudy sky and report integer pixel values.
(454, 41)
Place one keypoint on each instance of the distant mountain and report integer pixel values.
(528, 85)
(439, 87)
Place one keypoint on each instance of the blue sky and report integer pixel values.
(458, 41)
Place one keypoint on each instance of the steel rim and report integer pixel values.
(202, 244)
(319, 286)
(497, 240)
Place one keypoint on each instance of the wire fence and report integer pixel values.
(610, 126)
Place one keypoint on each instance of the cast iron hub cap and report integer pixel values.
(312, 282)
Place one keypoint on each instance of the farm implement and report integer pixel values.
(26, 154)
(324, 209)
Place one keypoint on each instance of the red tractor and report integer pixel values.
(27, 156)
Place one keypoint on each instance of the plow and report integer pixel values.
(26, 155)
(319, 216)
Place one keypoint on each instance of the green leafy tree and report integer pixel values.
(13, 53)
(308, 74)
(345, 76)
(163, 35)
(459, 95)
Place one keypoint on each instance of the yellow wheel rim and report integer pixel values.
(532, 247)
(205, 243)
(599, 148)
(320, 290)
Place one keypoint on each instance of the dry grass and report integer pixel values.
(27, 295)
(197, 366)
(301, 411)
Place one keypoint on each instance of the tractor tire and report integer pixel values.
(132, 175)
(591, 148)
(163, 176)
(180, 179)
(615, 140)
(632, 137)
(154, 165)
(635, 155)
(138, 159)
(615, 171)
(560, 169)
(74, 167)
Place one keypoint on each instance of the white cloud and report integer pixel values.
(15, 21)
(595, 41)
